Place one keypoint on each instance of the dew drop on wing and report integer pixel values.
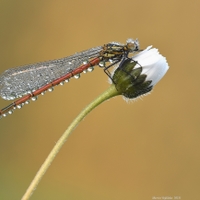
(62, 83)
(67, 80)
(19, 106)
(90, 69)
(85, 62)
(34, 98)
(27, 102)
(77, 76)
(10, 112)
(51, 89)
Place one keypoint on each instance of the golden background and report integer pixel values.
(141, 150)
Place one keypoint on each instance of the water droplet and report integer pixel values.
(67, 80)
(4, 96)
(27, 102)
(19, 106)
(12, 98)
(90, 69)
(77, 76)
(85, 62)
(111, 60)
(85, 71)
(62, 83)
(50, 89)
(10, 112)
(4, 115)
(28, 92)
(102, 64)
(43, 93)
(34, 98)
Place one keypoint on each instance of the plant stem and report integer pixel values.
(109, 93)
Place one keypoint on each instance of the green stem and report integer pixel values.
(109, 93)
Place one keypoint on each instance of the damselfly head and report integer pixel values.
(132, 45)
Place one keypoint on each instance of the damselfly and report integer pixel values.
(29, 81)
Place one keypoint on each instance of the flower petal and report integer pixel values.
(154, 65)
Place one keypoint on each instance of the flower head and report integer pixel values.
(138, 75)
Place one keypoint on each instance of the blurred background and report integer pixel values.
(141, 150)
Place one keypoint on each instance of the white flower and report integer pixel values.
(137, 75)
(154, 65)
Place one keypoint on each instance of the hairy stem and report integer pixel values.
(109, 93)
